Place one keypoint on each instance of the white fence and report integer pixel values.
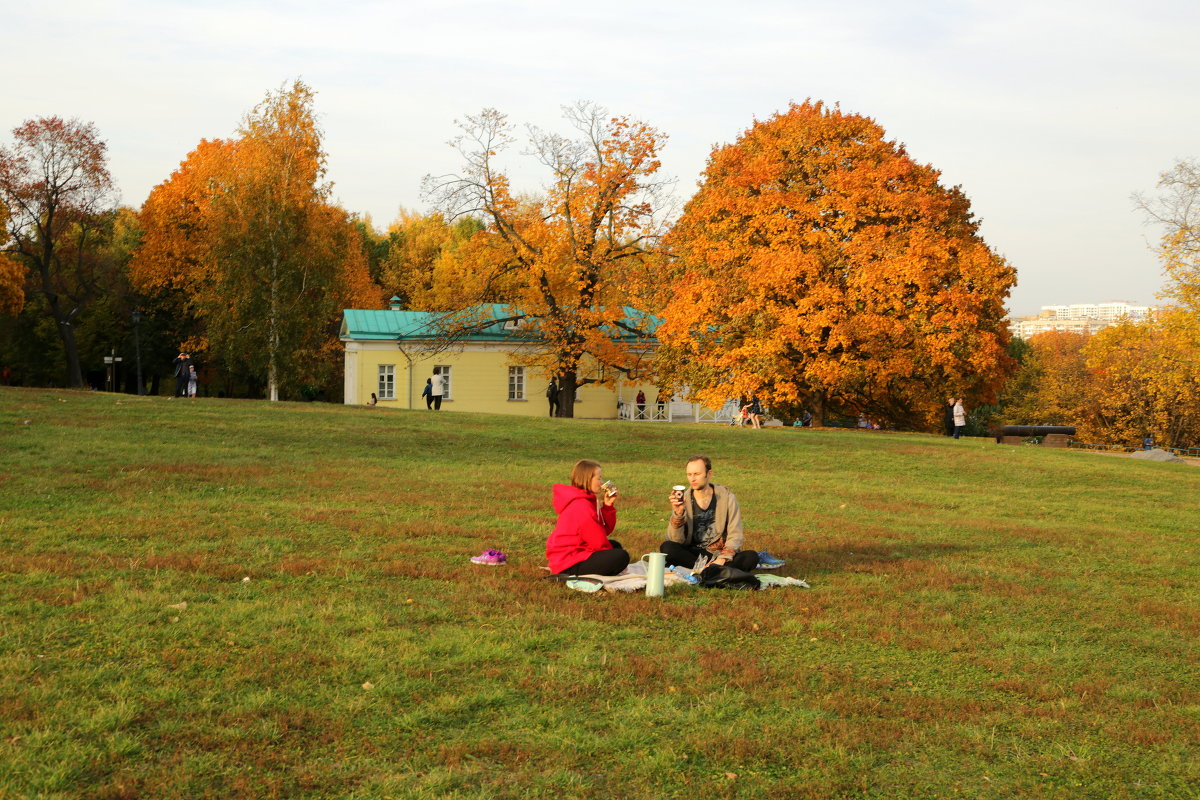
(676, 411)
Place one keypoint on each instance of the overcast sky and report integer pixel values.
(1048, 114)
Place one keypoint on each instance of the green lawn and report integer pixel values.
(985, 621)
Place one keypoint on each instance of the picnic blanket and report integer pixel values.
(633, 579)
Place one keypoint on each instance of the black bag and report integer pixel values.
(723, 576)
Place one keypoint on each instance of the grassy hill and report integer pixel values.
(985, 621)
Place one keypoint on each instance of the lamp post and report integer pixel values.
(137, 349)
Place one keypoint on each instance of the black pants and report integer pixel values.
(682, 555)
(181, 382)
(437, 402)
(602, 562)
(553, 407)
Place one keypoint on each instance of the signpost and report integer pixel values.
(112, 361)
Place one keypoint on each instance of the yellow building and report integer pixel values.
(392, 353)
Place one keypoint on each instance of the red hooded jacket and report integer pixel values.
(580, 531)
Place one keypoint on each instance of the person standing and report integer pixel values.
(183, 363)
(579, 543)
(552, 397)
(436, 384)
(705, 521)
(193, 383)
(949, 417)
(960, 418)
(660, 406)
(641, 405)
(755, 412)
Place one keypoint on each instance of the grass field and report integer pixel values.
(985, 621)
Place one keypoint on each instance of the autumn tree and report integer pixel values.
(1052, 385)
(12, 273)
(55, 185)
(1146, 381)
(820, 265)
(564, 263)
(245, 230)
(417, 243)
(1176, 209)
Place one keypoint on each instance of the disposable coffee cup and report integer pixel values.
(679, 489)
(609, 488)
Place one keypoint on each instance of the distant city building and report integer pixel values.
(1086, 318)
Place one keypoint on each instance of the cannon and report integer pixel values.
(1052, 435)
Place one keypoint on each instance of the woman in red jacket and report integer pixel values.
(579, 544)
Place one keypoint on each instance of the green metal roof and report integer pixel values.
(392, 324)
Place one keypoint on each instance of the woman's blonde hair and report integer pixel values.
(582, 472)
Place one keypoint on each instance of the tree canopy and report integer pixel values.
(820, 265)
(57, 191)
(569, 262)
(245, 230)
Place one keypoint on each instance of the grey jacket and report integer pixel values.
(726, 535)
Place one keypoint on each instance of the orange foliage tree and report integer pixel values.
(1126, 382)
(55, 183)
(566, 264)
(245, 230)
(12, 273)
(820, 265)
(1146, 382)
(417, 243)
(1056, 387)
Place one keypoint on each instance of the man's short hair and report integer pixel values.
(707, 461)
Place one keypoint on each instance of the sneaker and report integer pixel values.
(490, 557)
(768, 561)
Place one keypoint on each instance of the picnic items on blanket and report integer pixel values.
(688, 575)
(656, 565)
(634, 579)
(490, 557)
(776, 581)
(768, 561)
(723, 576)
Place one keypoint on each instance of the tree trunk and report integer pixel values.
(71, 350)
(818, 420)
(567, 389)
(273, 335)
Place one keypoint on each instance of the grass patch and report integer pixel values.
(985, 621)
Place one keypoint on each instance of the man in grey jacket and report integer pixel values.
(705, 521)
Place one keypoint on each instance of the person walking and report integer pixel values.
(960, 418)
(193, 381)
(436, 385)
(427, 393)
(755, 412)
(182, 363)
(552, 397)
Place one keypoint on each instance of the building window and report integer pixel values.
(387, 381)
(444, 371)
(516, 383)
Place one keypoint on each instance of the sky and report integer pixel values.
(1049, 115)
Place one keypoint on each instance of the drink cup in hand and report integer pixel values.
(610, 489)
